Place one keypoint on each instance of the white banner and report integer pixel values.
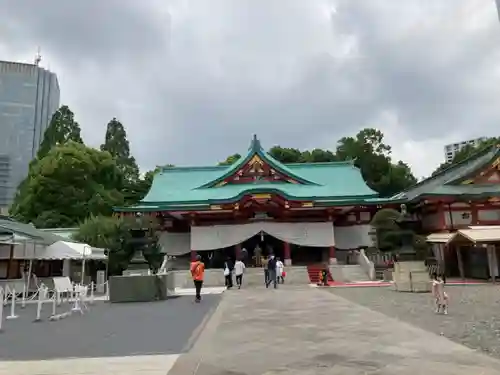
(175, 244)
(352, 237)
(221, 236)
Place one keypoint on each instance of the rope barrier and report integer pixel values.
(79, 295)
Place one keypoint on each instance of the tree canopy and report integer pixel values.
(69, 184)
(231, 159)
(62, 129)
(117, 144)
(116, 235)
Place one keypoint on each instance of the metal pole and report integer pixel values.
(83, 264)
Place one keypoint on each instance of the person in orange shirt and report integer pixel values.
(197, 272)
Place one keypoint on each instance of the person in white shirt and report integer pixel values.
(280, 267)
(440, 296)
(239, 268)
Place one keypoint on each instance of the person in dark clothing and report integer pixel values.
(228, 272)
(271, 268)
(324, 276)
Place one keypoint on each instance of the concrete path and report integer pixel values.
(125, 338)
(309, 331)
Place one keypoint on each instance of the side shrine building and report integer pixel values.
(317, 212)
(303, 213)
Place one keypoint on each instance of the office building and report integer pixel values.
(29, 96)
(451, 149)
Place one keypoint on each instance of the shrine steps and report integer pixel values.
(313, 271)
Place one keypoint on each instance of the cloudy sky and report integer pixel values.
(192, 80)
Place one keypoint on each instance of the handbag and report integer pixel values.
(226, 270)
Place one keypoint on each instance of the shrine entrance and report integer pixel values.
(262, 245)
(307, 240)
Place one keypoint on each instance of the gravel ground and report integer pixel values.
(473, 320)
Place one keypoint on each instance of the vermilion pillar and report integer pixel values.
(287, 254)
(193, 255)
(237, 251)
(331, 255)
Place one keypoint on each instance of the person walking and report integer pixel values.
(228, 272)
(280, 268)
(271, 268)
(197, 273)
(239, 269)
(265, 262)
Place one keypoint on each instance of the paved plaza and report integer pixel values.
(254, 331)
(118, 337)
(311, 331)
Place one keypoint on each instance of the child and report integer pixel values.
(439, 294)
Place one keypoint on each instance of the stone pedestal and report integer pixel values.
(287, 262)
(411, 276)
(141, 288)
(332, 261)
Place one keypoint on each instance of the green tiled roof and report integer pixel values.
(194, 187)
(256, 149)
(447, 182)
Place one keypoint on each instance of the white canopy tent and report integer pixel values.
(71, 250)
(28, 249)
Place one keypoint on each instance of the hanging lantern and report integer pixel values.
(261, 236)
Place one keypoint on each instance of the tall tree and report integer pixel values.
(373, 157)
(62, 129)
(69, 184)
(117, 144)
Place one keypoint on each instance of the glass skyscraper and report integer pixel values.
(29, 96)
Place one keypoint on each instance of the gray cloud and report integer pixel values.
(192, 80)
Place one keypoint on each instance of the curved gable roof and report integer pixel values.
(256, 149)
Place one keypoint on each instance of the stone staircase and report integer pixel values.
(313, 273)
(348, 273)
(295, 275)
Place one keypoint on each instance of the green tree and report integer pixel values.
(466, 152)
(230, 159)
(62, 129)
(69, 184)
(123, 238)
(117, 144)
(112, 234)
(373, 157)
(286, 155)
